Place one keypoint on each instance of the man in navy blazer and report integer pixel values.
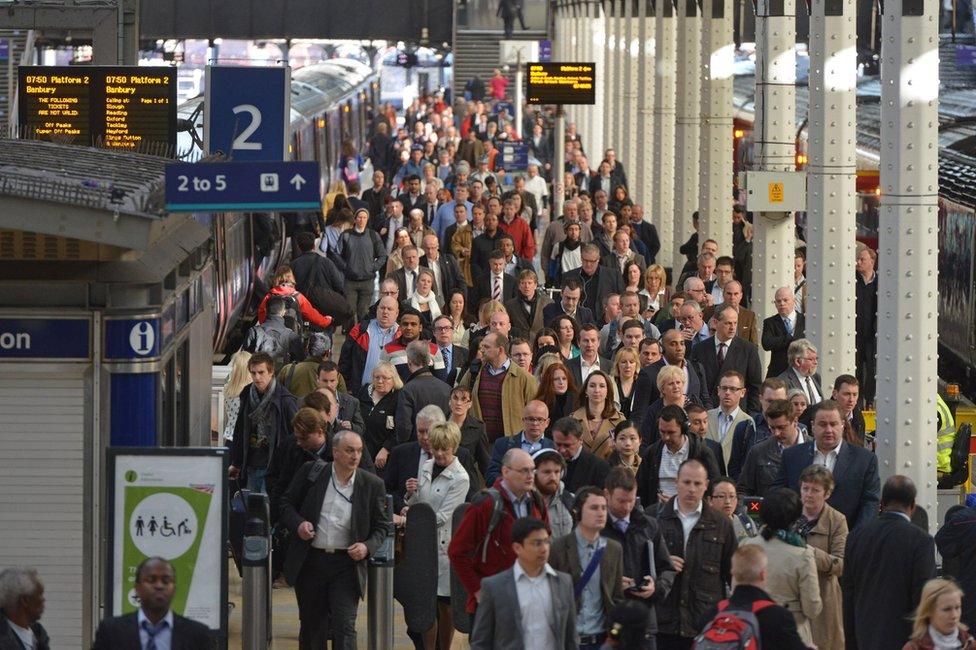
(154, 623)
(725, 351)
(857, 488)
(535, 419)
(569, 303)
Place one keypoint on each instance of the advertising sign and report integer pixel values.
(169, 503)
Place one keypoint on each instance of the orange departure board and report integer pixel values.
(560, 83)
(119, 107)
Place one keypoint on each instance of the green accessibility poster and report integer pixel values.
(170, 503)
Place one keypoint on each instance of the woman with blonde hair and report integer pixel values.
(654, 294)
(236, 382)
(626, 365)
(443, 485)
(937, 619)
(424, 300)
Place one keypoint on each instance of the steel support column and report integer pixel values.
(632, 47)
(559, 160)
(715, 173)
(610, 72)
(665, 46)
(775, 144)
(597, 53)
(831, 180)
(619, 83)
(908, 232)
(687, 121)
(641, 175)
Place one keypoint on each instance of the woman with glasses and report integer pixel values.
(597, 414)
(378, 400)
(558, 392)
(825, 530)
(567, 336)
(473, 436)
(726, 498)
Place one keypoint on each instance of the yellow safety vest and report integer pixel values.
(947, 436)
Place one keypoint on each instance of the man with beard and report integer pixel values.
(549, 469)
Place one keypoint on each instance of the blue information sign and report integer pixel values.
(545, 50)
(515, 156)
(132, 338)
(965, 55)
(45, 338)
(247, 112)
(232, 186)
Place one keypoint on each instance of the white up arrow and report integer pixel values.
(297, 181)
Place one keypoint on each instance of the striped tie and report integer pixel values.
(496, 288)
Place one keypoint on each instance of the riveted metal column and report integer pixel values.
(559, 25)
(597, 52)
(632, 86)
(579, 47)
(642, 178)
(775, 143)
(611, 10)
(687, 120)
(831, 181)
(715, 173)
(665, 46)
(907, 286)
(619, 82)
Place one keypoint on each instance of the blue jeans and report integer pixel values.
(255, 480)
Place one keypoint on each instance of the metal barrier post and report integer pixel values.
(256, 563)
(379, 596)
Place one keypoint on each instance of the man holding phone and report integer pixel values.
(648, 572)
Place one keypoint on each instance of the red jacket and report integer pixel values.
(465, 549)
(309, 313)
(519, 231)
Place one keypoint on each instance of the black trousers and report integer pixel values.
(327, 590)
(674, 642)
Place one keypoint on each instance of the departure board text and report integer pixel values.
(560, 83)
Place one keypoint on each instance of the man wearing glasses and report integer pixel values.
(455, 357)
(723, 420)
(535, 419)
(596, 281)
(477, 553)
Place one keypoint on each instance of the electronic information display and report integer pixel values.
(119, 107)
(560, 83)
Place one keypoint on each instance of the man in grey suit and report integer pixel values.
(337, 515)
(802, 373)
(530, 605)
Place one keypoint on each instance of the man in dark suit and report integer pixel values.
(483, 245)
(496, 283)
(847, 393)
(420, 389)
(526, 308)
(726, 351)
(154, 624)
(596, 281)
(698, 425)
(337, 516)
(21, 607)
(455, 357)
(780, 330)
(413, 197)
(569, 304)
(802, 373)
(582, 467)
(535, 419)
(350, 416)
(886, 564)
(645, 386)
(855, 469)
(589, 358)
(406, 276)
(447, 273)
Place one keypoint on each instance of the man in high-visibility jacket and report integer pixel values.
(947, 436)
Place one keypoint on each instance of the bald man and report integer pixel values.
(535, 419)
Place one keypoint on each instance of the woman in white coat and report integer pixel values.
(442, 485)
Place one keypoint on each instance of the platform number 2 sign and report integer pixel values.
(241, 141)
(142, 338)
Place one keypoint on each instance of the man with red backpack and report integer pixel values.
(482, 544)
(749, 619)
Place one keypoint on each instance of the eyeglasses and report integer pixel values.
(443, 328)
(532, 420)
(389, 292)
(525, 471)
(729, 389)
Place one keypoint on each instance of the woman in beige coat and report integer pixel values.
(825, 530)
(791, 574)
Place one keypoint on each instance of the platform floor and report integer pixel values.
(285, 620)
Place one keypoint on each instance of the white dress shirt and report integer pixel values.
(829, 459)
(689, 520)
(26, 635)
(334, 527)
(586, 369)
(164, 636)
(535, 605)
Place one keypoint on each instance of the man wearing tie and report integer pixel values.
(393, 223)
(406, 277)
(154, 626)
(455, 357)
(803, 373)
(496, 284)
(447, 273)
(723, 420)
(781, 329)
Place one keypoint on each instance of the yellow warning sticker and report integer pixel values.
(775, 192)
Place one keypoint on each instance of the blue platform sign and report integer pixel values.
(229, 187)
(247, 112)
(132, 338)
(45, 338)
(545, 50)
(514, 156)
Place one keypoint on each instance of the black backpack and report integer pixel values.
(259, 339)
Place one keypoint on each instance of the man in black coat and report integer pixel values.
(855, 469)
(155, 587)
(956, 541)
(421, 389)
(781, 329)
(455, 356)
(526, 309)
(484, 285)
(596, 281)
(674, 354)
(657, 475)
(777, 626)
(582, 467)
(376, 196)
(640, 536)
(886, 564)
(381, 152)
(569, 303)
(310, 267)
(21, 606)
(725, 351)
(447, 273)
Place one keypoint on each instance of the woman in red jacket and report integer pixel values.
(284, 286)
